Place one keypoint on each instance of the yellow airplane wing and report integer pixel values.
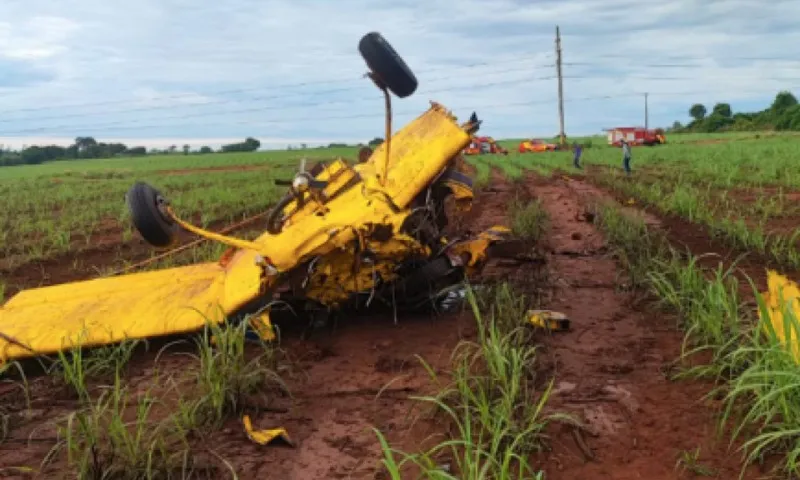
(109, 310)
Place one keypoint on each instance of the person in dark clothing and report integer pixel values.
(576, 158)
(364, 154)
(626, 156)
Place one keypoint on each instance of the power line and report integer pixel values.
(705, 58)
(125, 125)
(280, 96)
(208, 55)
(699, 92)
(647, 65)
(422, 71)
(416, 112)
(351, 116)
(668, 65)
(235, 91)
(673, 78)
(260, 109)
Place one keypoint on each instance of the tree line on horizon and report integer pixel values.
(782, 115)
(89, 148)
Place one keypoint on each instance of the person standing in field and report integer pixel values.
(576, 152)
(626, 156)
(364, 154)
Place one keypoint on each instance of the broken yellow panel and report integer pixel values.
(418, 151)
(263, 326)
(780, 286)
(263, 437)
(548, 319)
(477, 247)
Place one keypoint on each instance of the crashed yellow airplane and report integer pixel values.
(341, 234)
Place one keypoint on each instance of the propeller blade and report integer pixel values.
(317, 184)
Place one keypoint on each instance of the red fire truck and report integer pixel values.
(636, 136)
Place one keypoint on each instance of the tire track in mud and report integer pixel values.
(610, 369)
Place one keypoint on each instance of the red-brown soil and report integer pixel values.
(609, 370)
(352, 381)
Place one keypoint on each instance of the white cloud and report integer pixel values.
(290, 70)
(35, 38)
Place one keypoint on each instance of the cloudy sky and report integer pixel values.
(157, 72)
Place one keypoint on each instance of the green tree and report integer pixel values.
(250, 144)
(789, 119)
(783, 101)
(84, 147)
(722, 109)
(698, 111)
(715, 123)
(186, 149)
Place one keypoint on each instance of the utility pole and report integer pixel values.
(561, 134)
(646, 117)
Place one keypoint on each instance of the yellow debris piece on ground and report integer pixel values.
(555, 321)
(780, 286)
(263, 326)
(478, 247)
(263, 437)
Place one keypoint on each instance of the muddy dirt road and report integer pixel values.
(610, 370)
